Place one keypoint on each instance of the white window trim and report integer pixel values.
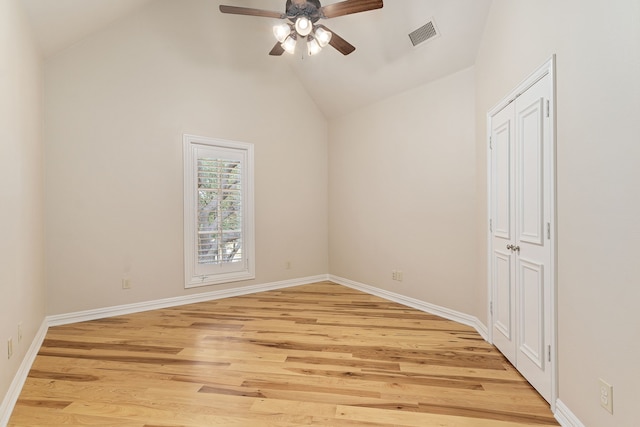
(247, 269)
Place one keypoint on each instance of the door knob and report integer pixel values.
(510, 247)
(516, 248)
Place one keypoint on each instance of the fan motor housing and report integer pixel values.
(310, 9)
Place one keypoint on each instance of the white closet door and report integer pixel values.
(532, 214)
(502, 207)
(521, 256)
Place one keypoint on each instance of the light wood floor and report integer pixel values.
(314, 355)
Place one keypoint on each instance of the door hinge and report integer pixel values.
(549, 353)
(491, 307)
(549, 231)
(490, 143)
(548, 107)
(490, 225)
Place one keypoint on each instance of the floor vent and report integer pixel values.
(427, 32)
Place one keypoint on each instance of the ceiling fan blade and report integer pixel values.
(251, 12)
(349, 6)
(277, 50)
(338, 43)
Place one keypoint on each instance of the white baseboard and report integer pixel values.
(100, 313)
(482, 329)
(10, 399)
(565, 417)
(437, 310)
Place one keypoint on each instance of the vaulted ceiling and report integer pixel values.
(385, 61)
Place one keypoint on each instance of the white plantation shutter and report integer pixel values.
(218, 211)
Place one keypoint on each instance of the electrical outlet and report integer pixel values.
(399, 276)
(606, 395)
(9, 348)
(126, 284)
(394, 275)
(19, 332)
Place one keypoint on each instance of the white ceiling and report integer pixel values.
(384, 63)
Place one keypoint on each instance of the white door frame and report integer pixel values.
(548, 68)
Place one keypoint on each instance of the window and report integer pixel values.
(218, 211)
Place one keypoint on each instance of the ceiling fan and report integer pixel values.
(302, 18)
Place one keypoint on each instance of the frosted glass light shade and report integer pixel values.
(313, 46)
(281, 32)
(323, 36)
(289, 45)
(303, 26)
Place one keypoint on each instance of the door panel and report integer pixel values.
(502, 147)
(530, 172)
(503, 308)
(531, 311)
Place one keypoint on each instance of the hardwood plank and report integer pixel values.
(313, 355)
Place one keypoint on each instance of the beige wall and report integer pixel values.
(597, 43)
(117, 105)
(402, 193)
(22, 292)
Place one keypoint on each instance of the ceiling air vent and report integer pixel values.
(427, 32)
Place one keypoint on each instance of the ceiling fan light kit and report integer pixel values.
(303, 16)
(315, 42)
